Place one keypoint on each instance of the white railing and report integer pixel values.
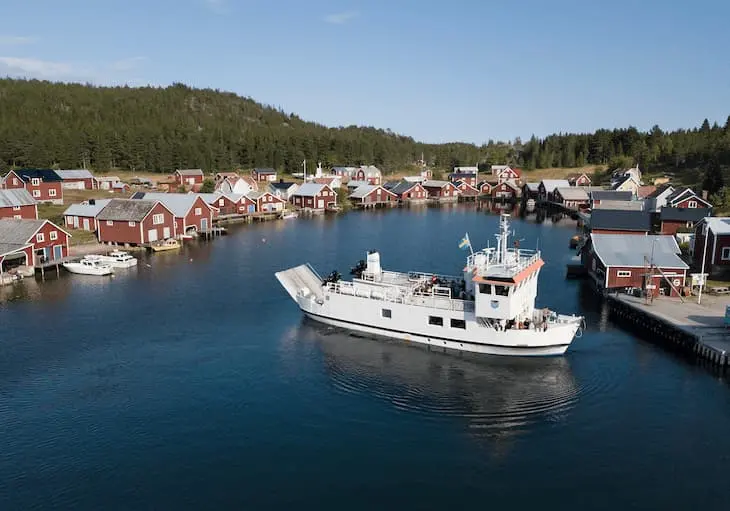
(439, 298)
(517, 260)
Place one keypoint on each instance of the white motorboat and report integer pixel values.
(489, 308)
(116, 258)
(288, 215)
(89, 266)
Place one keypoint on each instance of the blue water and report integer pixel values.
(192, 382)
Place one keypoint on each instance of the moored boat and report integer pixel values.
(116, 258)
(489, 308)
(168, 244)
(289, 215)
(89, 266)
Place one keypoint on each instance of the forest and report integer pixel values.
(155, 129)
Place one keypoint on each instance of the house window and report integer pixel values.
(386, 313)
(221, 202)
(16, 208)
(725, 253)
(436, 320)
(692, 204)
(132, 224)
(36, 193)
(53, 235)
(623, 273)
(36, 181)
(15, 181)
(458, 323)
(52, 192)
(110, 223)
(158, 219)
(198, 211)
(40, 238)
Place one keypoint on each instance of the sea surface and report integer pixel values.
(192, 382)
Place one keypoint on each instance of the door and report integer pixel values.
(320, 203)
(251, 208)
(58, 251)
(152, 235)
(76, 222)
(203, 224)
(86, 224)
(165, 232)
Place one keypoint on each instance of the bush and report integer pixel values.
(208, 186)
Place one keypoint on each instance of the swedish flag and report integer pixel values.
(464, 243)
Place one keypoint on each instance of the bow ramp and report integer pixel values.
(301, 279)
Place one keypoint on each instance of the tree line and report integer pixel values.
(155, 129)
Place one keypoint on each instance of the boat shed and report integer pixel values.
(83, 216)
(192, 213)
(613, 221)
(370, 196)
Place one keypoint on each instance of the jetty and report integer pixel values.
(685, 325)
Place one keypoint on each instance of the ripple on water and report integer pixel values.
(491, 393)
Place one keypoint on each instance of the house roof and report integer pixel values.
(457, 175)
(47, 175)
(88, 209)
(190, 172)
(622, 180)
(414, 179)
(371, 170)
(533, 187)
(75, 174)
(499, 168)
(355, 184)
(718, 224)
(645, 191)
(551, 184)
(264, 171)
(620, 220)
(459, 184)
(362, 191)
(611, 195)
(282, 185)
(126, 210)
(660, 190)
(310, 189)
(107, 178)
(16, 197)
(10, 248)
(326, 180)
(255, 195)
(637, 251)
(624, 205)
(345, 170)
(433, 183)
(18, 232)
(684, 214)
(572, 193)
(402, 187)
(178, 203)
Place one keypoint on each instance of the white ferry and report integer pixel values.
(490, 309)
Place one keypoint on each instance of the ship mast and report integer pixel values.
(503, 236)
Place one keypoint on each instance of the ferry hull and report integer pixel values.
(456, 345)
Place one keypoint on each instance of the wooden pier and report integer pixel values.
(687, 327)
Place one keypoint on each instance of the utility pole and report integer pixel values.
(702, 271)
(305, 170)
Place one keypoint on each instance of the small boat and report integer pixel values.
(168, 244)
(116, 258)
(89, 266)
(289, 214)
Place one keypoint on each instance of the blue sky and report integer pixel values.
(439, 71)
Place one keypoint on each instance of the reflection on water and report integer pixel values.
(498, 397)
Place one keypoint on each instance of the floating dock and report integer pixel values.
(687, 326)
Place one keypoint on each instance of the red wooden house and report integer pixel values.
(469, 178)
(191, 178)
(192, 213)
(263, 174)
(441, 190)
(466, 189)
(266, 202)
(18, 203)
(84, 216)
(686, 198)
(136, 222)
(44, 185)
(712, 238)
(80, 179)
(619, 221)
(373, 195)
(370, 174)
(411, 192)
(620, 261)
(485, 187)
(579, 179)
(314, 196)
(673, 220)
(509, 174)
(36, 241)
(505, 191)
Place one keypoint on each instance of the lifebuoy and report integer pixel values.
(676, 282)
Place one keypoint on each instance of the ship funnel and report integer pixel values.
(373, 266)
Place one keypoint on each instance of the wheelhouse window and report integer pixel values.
(725, 253)
(485, 289)
(501, 290)
(386, 313)
(458, 323)
(436, 320)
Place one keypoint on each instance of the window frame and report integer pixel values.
(622, 274)
(53, 235)
(722, 254)
(40, 237)
(386, 313)
(436, 320)
(457, 323)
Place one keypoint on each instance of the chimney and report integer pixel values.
(92, 202)
(704, 194)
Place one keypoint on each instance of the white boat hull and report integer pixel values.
(81, 269)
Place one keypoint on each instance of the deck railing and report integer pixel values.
(438, 298)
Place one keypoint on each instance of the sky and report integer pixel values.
(439, 71)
